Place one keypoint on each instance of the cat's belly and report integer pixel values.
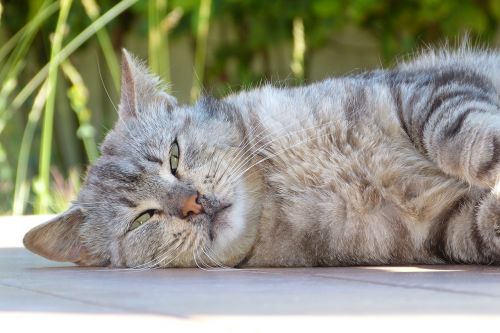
(365, 201)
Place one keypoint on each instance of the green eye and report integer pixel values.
(141, 219)
(174, 157)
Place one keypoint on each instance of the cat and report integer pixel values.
(397, 166)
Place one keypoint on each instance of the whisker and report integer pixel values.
(242, 150)
(104, 86)
(152, 263)
(196, 262)
(274, 155)
(160, 264)
(267, 144)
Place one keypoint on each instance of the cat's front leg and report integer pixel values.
(455, 122)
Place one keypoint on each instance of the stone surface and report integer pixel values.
(36, 293)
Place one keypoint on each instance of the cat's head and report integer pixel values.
(172, 187)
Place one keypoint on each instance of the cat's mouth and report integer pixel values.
(214, 221)
(219, 221)
(219, 215)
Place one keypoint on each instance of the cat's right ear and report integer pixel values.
(139, 87)
(128, 106)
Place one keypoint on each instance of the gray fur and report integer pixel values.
(393, 166)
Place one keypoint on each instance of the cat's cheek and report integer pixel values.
(117, 259)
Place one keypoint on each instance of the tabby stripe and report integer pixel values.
(127, 202)
(448, 101)
(355, 104)
(436, 93)
(476, 236)
(152, 158)
(463, 77)
(443, 118)
(396, 95)
(437, 238)
(454, 128)
(486, 167)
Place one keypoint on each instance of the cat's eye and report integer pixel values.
(174, 157)
(141, 219)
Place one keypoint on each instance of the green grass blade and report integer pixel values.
(32, 25)
(201, 47)
(21, 188)
(157, 39)
(8, 70)
(5, 177)
(15, 63)
(92, 10)
(13, 66)
(71, 47)
(299, 49)
(171, 20)
(42, 182)
(78, 96)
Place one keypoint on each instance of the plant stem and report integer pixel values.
(32, 25)
(92, 10)
(201, 47)
(10, 70)
(299, 48)
(1, 11)
(157, 39)
(42, 183)
(21, 189)
(71, 47)
(171, 20)
(78, 95)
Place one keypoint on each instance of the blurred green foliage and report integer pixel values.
(398, 25)
(247, 31)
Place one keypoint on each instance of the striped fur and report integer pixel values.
(392, 166)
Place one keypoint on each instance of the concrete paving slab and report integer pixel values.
(240, 300)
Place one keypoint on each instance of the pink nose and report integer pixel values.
(190, 206)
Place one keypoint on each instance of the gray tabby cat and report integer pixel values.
(386, 167)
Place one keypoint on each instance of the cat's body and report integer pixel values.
(384, 167)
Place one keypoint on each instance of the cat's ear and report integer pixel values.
(139, 87)
(59, 239)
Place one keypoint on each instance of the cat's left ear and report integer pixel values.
(139, 88)
(59, 239)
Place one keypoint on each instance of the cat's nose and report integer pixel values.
(191, 206)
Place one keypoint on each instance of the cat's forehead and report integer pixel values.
(166, 121)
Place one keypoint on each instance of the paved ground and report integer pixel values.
(39, 294)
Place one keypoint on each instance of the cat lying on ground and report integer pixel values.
(393, 166)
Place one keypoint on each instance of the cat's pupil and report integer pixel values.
(174, 157)
(173, 163)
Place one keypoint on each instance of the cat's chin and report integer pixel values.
(215, 224)
(219, 222)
